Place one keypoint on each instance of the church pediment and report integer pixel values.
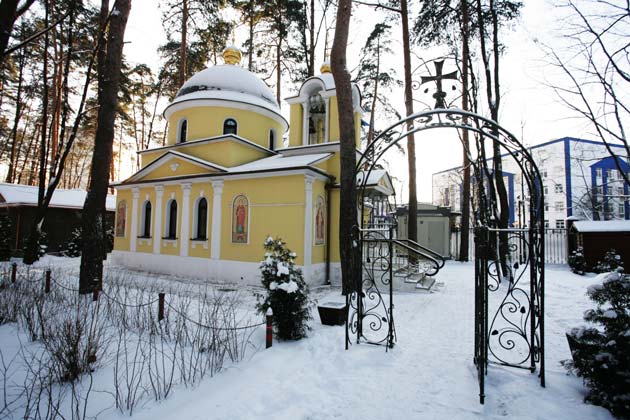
(174, 165)
(224, 151)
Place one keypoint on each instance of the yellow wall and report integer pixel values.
(123, 243)
(295, 134)
(276, 208)
(228, 153)
(184, 168)
(333, 127)
(206, 121)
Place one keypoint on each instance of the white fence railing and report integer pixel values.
(555, 245)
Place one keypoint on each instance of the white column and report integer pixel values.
(184, 234)
(305, 123)
(308, 225)
(157, 219)
(327, 120)
(133, 235)
(215, 234)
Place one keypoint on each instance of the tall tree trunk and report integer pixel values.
(279, 56)
(16, 121)
(311, 47)
(348, 218)
(465, 203)
(183, 48)
(93, 248)
(9, 12)
(251, 23)
(412, 225)
(493, 94)
(32, 245)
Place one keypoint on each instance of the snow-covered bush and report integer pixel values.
(611, 262)
(5, 237)
(601, 354)
(72, 248)
(577, 262)
(287, 292)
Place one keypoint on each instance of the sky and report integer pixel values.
(529, 108)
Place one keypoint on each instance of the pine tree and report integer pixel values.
(577, 262)
(612, 261)
(72, 248)
(5, 237)
(601, 354)
(287, 292)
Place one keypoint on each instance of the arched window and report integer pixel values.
(317, 115)
(201, 219)
(121, 218)
(183, 131)
(240, 219)
(146, 219)
(272, 140)
(229, 126)
(171, 220)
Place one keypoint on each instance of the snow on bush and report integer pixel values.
(287, 292)
(601, 353)
(577, 262)
(611, 262)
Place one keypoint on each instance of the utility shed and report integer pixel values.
(597, 237)
(62, 217)
(434, 226)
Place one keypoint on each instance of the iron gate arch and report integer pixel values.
(514, 333)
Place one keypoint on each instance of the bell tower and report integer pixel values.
(314, 112)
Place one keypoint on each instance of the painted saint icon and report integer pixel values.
(121, 215)
(320, 221)
(240, 215)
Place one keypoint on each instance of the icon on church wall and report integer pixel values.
(320, 221)
(121, 219)
(240, 214)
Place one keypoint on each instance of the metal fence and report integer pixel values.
(555, 245)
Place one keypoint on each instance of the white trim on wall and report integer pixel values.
(215, 271)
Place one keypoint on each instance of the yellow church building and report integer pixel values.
(203, 205)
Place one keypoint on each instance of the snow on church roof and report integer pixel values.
(26, 195)
(602, 226)
(281, 162)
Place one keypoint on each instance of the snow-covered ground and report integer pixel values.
(429, 374)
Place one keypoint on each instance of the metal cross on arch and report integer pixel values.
(439, 94)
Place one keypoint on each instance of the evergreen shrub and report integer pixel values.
(286, 291)
(5, 237)
(601, 352)
(577, 262)
(612, 261)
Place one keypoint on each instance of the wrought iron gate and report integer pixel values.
(509, 285)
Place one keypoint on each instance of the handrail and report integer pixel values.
(422, 254)
(425, 249)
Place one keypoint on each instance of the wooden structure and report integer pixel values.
(64, 215)
(597, 237)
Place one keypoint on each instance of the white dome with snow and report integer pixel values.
(228, 83)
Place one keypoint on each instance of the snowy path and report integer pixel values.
(428, 375)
